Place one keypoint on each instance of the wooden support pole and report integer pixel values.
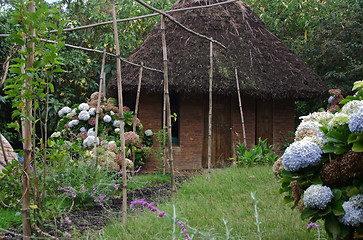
(210, 108)
(240, 108)
(27, 141)
(100, 87)
(136, 110)
(121, 113)
(168, 111)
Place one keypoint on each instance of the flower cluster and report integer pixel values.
(356, 121)
(300, 155)
(352, 107)
(320, 117)
(339, 119)
(77, 124)
(64, 111)
(353, 209)
(150, 206)
(317, 196)
(184, 230)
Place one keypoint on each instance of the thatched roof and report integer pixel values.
(266, 67)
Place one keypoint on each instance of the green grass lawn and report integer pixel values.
(203, 203)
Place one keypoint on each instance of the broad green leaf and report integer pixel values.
(332, 225)
(337, 194)
(288, 199)
(358, 147)
(338, 209)
(308, 212)
(353, 191)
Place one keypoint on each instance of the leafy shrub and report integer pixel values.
(260, 154)
(322, 170)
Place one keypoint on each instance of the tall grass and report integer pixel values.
(227, 195)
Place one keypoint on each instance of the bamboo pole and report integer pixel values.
(121, 113)
(240, 108)
(210, 108)
(27, 143)
(136, 110)
(100, 87)
(104, 88)
(168, 112)
(140, 17)
(171, 18)
(164, 134)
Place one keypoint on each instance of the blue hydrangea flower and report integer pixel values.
(353, 209)
(356, 121)
(317, 196)
(301, 154)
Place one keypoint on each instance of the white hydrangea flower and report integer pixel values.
(70, 115)
(149, 132)
(117, 130)
(352, 107)
(84, 115)
(92, 111)
(74, 111)
(320, 117)
(107, 118)
(338, 120)
(64, 110)
(55, 134)
(89, 141)
(91, 132)
(82, 129)
(83, 106)
(73, 123)
(112, 113)
(116, 124)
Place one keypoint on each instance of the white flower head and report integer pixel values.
(117, 130)
(116, 124)
(112, 113)
(149, 132)
(70, 115)
(84, 115)
(352, 107)
(83, 106)
(74, 111)
(320, 117)
(91, 132)
(92, 111)
(107, 118)
(63, 111)
(339, 119)
(89, 141)
(55, 134)
(73, 123)
(82, 129)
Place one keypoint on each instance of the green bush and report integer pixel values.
(260, 154)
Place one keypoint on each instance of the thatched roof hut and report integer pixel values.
(271, 77)
(266, 67)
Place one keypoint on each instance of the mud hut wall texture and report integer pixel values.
(283, 122)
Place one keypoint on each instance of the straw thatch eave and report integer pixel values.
(266, 67)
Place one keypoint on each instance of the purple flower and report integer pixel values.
(312, 224)
(161, 214)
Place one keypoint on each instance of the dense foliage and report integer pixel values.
(322, 170)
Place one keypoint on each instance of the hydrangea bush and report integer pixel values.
(77, 124)
(321, 172)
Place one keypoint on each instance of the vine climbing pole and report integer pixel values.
(240, 108)
(121, 112)
(134, 119)
(210, 108)
(167, 105)
(100, 89)
(27, 142)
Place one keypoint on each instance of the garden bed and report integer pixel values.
(87, 222)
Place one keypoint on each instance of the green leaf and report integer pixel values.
(353, 191)
(337, 209)
(358, 146)
(337, 194)
(342, 150)
(308, 212)
(332, 225)
(288, 199)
